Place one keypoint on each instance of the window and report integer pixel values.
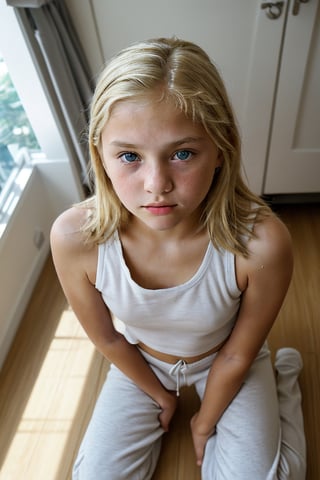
(18, 145)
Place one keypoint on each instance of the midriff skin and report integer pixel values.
(165, 357)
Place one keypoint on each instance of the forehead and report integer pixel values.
(155, 99)
(150, 115)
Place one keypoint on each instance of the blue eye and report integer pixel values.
(129, 157)
(183, 154)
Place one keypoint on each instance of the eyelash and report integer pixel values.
(122, 155)
(189, 152)
(124, 160)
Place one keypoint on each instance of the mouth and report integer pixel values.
(159, 209)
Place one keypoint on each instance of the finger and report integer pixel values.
(199, 460)
(164, 423)
(199, 455)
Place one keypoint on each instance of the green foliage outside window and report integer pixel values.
(15, 127)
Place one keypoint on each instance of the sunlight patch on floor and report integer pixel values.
(46, 421)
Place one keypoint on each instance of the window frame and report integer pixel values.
(26, 80)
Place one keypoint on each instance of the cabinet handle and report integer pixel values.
(273, 9)
(296, 6)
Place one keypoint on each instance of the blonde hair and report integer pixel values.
(192, 82)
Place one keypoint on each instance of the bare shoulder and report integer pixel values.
(67, 228)
(70, 221)
(272, 241)
(270, 252)
(72, 255)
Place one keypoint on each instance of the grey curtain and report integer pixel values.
(61, 64)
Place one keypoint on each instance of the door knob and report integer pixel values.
(273, 9)
(296, 6)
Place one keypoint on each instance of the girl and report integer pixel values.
(195, 266)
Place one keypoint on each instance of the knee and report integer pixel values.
(91, 470)
(91, 467)
(292, 466)
(120, 465)
(224, 460)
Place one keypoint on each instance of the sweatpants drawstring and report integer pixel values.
(178, 368)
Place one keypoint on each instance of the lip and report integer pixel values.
(159, 208)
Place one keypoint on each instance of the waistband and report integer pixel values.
(173, 359)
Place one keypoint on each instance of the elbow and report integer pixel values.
(237, 365)
(108, 344)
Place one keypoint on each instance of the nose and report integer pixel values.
(157, 179)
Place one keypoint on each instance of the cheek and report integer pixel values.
(199, 184)
(123, 186)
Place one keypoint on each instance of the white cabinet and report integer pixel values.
(250, 50)
(293, 164)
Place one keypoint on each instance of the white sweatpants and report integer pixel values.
(259, 437)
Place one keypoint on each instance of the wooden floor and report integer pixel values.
(52, 375)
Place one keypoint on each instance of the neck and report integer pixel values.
(184, 231)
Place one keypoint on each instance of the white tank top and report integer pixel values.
(185, 320)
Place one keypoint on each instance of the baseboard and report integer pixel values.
(291, 199)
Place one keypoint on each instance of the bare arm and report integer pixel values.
(266, 275)
(75, 264)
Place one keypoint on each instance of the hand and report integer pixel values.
(168, 406)
(200, 437)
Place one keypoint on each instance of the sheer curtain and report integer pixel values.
(61, 64)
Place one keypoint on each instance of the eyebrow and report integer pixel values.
(124, 144)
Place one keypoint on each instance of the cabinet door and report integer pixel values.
(294, 159)
(238, 35)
